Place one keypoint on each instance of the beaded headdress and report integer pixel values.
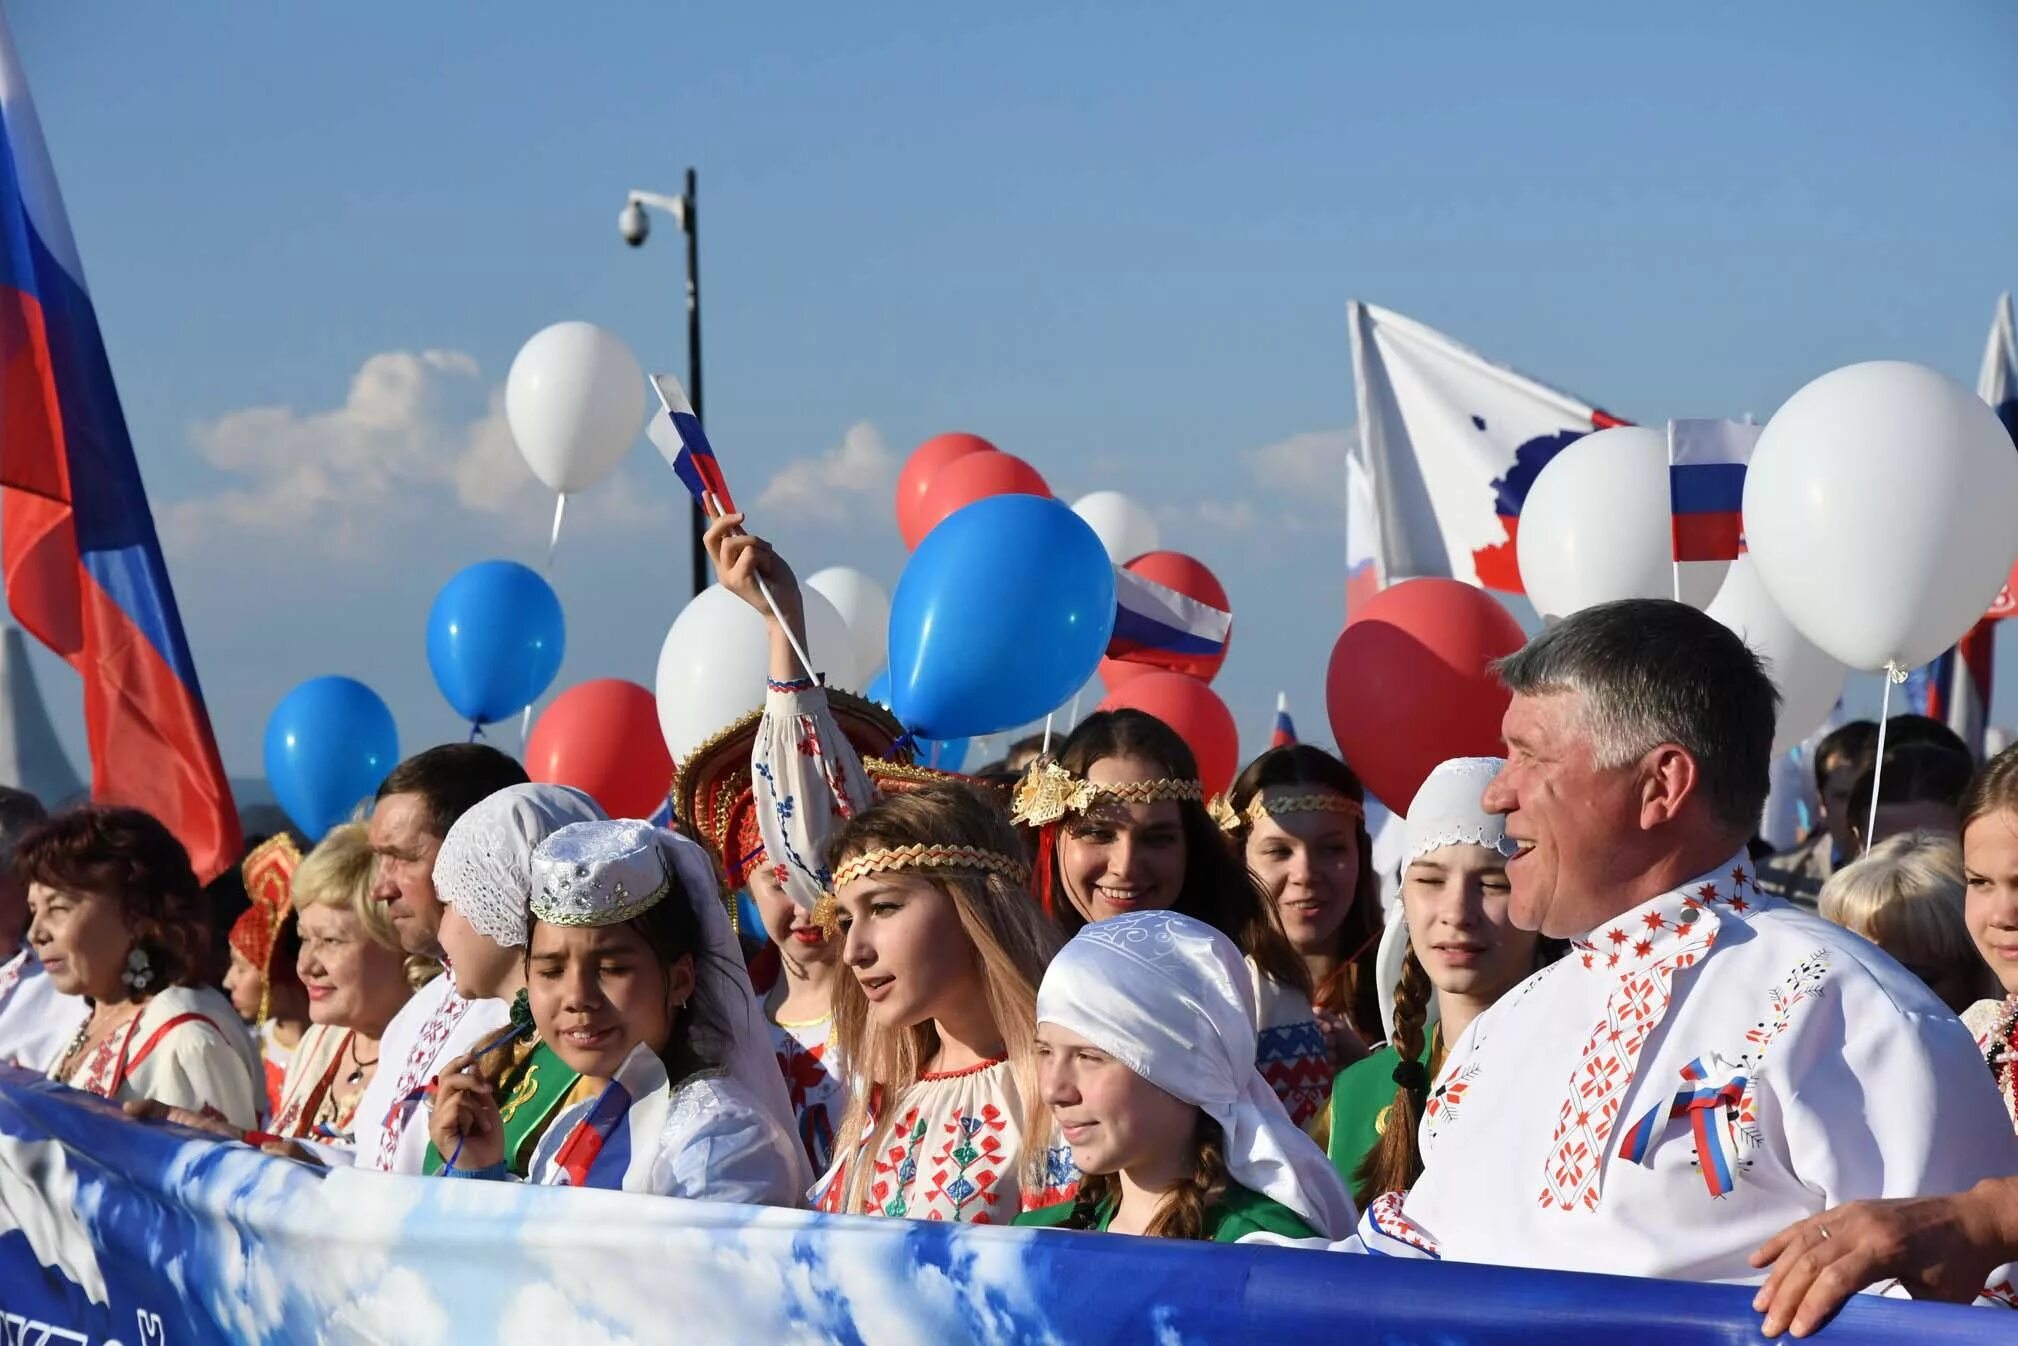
(269, 877)
(599, 873)
(1049, 791)
(1277, 802)
(913, 859)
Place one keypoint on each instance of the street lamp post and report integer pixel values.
(635, 226)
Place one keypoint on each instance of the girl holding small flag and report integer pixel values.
(636, 979)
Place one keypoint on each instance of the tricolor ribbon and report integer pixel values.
(1708, 1110)
(578, 1153)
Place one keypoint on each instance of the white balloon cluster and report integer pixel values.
(714, 661)
(575, 401)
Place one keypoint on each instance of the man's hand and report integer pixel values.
(1941, 1247)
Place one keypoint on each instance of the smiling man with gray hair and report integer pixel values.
(1707, 1063)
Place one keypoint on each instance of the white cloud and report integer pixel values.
(827, 488)
(416, 434)
(1308, 464)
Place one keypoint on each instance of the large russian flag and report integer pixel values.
(83, 568)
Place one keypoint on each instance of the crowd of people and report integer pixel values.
(1589, 1026)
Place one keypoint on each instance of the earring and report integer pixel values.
(139, 973)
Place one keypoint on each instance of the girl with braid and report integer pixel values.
(1146, 1064)
(1461, 954)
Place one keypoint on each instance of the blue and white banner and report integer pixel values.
(113, 1232)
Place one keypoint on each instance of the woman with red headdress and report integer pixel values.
(263, 985)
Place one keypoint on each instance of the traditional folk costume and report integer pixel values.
(1168, 997)
(484, 871)
(816, 743)
(432, 1029)
(1448, 810)
(1693, 1077)
(186, 1048)
(36, 1019)
(1291, 1048)
(1995, 1024)
(309, 1109)
(952, 1145)
(721, 1134)
(269, 875)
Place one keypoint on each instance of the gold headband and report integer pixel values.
(902, 858)
(1049, 791)
(1278, 804)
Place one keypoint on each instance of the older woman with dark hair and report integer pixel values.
(117, 918)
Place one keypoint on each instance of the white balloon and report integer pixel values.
(1809, 680)
(715, 659)
(575, 401)
(1597, 525)
(1124, 527)
(1880, 508)
(865, 606)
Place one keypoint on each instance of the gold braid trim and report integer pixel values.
(1049, 791)
(1277, 804)
(826, 912)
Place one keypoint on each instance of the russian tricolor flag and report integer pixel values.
(1155, 624)
(1285, 728)
(1706, 482)
(83, 568)
(677, 433)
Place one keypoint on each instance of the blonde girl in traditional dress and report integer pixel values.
(937, 1017)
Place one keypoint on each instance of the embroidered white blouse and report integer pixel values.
(807, 780)
(187, 1048)
(432, 1029)
(954, 1150)
(1692, 1078)
(1289, 1047)
(708, 1139)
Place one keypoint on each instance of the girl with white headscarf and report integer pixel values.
(483, 876)
(1450, 956)
(1147, 1065)
(636, 979)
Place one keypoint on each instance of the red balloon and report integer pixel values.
(1409, 684)
(1190, 577)
(971, 477)
(603, 738)
(924, 462)
(1195, 711)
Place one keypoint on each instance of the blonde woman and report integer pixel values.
(937, 1018)
(1906, 896)
(357, 978)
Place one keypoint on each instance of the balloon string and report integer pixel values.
(1893, 674)
(554, 538)
(475, 731)
(1045, 751)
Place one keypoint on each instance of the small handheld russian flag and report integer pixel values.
(1155, 624)
(677, 434)
(1706, 484)
(1285, 728)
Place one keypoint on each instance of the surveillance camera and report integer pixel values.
(633, 224)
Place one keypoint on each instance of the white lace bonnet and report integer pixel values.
(484, 866)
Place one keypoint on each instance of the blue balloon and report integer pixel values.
(329, 743)
(1002, 614)
(943, 754)
(879, 688)
(495, 638)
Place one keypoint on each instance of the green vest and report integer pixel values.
(1238, 1213)
(1360, 1098)
(531, 1092)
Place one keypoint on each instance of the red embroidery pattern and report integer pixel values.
(1674, 931)
(448, 1012)
(1441, 1110)
(1386, 1216)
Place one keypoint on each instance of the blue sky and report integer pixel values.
(1118, 243)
